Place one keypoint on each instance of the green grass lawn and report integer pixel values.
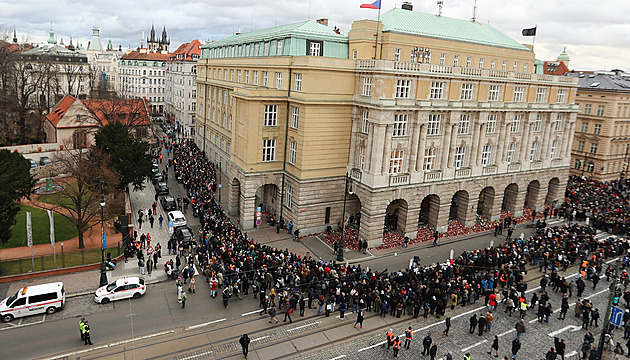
(64, 229)
(41, 263)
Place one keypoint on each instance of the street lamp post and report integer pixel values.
(348, 182)
(103, 281)
(606, 324)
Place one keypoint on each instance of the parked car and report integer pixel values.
(177, 217)
(155, 168)
(44, 160)
(168, 202)
(127, 287)
(35, 299)
(157, 177)
(184, 236)
(33, 163)
(161, 188)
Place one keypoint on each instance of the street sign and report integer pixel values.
(258, 221)
(220, 186)
(616, 315)
(258, 214)
(104, 241)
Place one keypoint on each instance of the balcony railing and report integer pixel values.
(489, 170)
(460, 173)
(514, 167)
(433, 176)
(395, 180)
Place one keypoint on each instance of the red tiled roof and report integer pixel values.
(137, 55)
(187, 50)
(122, 109)
(60, 110)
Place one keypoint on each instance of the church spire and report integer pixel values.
(15, 40)
(51, 37)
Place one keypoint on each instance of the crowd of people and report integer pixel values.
(234, 264)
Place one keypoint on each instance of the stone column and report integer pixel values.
(247, 210)
(414, 144)
(372, 228)
(421, 145)
(411, 223)
(376, 161)
(504, 138)
(441, 221)
(387, 149)
(555, 193)
(536, 198)
(519, 202)
(525, 146)
(466, 211)
(546, 146)
(369, 155)
(233, 197)
(446, 146)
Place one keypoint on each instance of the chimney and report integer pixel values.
(323, 21)
(406, 5)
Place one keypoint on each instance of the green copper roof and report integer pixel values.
(440, 27)
(309, 28)
(51, 37)
(564, 56)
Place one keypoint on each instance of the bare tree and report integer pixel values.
(79, 198)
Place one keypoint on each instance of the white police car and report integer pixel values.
(127, 287)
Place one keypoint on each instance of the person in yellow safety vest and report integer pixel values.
(390, 338)
(523, 309)
(396, 346)
(408, 336)
(81, 323)
(86, 333)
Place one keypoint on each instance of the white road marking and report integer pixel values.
(111, 344)
(204, 324)
(559, 331)
(507, 332)
(303, 326)
(372, 346)
(251, 312)
(260, 338)
(339, 357)
(474, 345)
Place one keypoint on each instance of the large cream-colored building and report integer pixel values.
(602, 136)
(441, 119)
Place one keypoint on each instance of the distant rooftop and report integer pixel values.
(603, 81)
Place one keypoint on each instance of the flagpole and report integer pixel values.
(378, 23)
(534, 40)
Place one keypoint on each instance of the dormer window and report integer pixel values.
(314, 48)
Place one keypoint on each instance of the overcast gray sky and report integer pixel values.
(595, 32)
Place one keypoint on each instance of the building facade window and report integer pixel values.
(584, 127)
(255, 77)
(362, 157)
(486, 155)
(594, 148)
(510, 156)
(397, 55)
(295, 117)
(467, 91)
(315, 48)
(600, 110)
(298, 82)
(494, 92)
(561, 96)
(580, 145)
(519, 92)
(292, 152)
(400, 125)
(433, 127)
(271, 115)
(515, 126)
(442, 59)
(533, 151)
(537, 125)
(481, 60)
(395, 161)
(437, 90)
(557, 126)
(403, 88)
(597, 129)
(456, 60)
(464, 124)
(469, 61)
(459, 157)
(587, 109)
(269, 150)
(289, 197)
(265, 78)
(365, 122)
(554, 149)
(246, 76)
(279, 80)
(429, 159)
(491, 125)
(541, 95)
(366, 89)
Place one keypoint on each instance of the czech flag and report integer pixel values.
(374, 5)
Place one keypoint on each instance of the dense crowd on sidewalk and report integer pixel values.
(234, 264)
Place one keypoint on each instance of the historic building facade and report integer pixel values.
(436, 121)
(602, 135)
(181, 85)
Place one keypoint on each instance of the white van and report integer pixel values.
(31, 300)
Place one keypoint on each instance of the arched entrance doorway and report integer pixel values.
(429, 210)
(533, 194)
(554, 192)
(396, 216)
(353, 211)
(486, 202)
(268, 199)
(459, 204)
(509, 198)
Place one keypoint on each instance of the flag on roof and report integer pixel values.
(374, 5)
(529, 32)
